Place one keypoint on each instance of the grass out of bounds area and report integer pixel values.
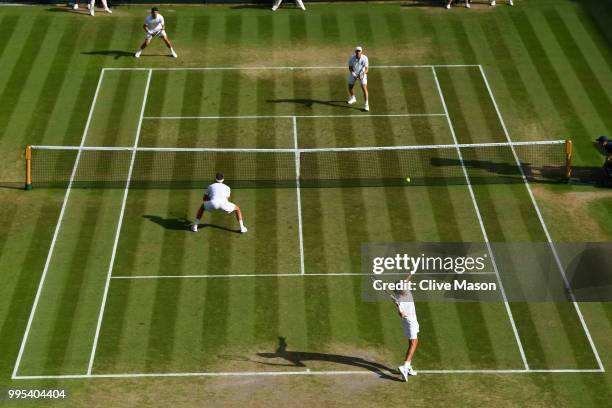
(549, 65)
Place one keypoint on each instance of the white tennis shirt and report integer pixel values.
(154, 24)
(406, 305)
(218, 192)
(358, 64)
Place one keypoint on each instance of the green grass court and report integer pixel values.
(108, 294)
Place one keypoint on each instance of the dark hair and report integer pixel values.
(602, 139)
(219, 176)
(154, 9)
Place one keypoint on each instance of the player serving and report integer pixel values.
(358, 70)
(217, 199)
(154, 26)
(410, 324)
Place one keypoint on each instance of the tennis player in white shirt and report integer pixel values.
(358, 66)
(217, 199)
(277, 4)
(91, 7)
(154, 26)
(410, 325)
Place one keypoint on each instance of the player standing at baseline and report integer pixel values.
(410, 324)
(154, 26)
(91, 5)
(358, 66)
(298, 3)
(217, 199)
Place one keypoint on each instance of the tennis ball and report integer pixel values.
(408, 179)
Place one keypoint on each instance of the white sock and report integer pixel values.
(92, 3)
(196, 221)
(241, 224)
(407, 364)
(104, 4)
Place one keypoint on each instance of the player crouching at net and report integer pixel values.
(410, 324)
(358, 70)
(217, 198)
(154, 26)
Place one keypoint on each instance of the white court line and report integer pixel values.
(261, 275)
(294, 373)
(118, 232)
(393, 115)
(544, 227)
(298, 193)
(287, 68)
(482, 227)
(57, 229)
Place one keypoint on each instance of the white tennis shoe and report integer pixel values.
(75, 6)
(492, 2)
(137, 54)
(194, 227)
(351, 100)
(243, 229)
(366, 107)
(173, 53)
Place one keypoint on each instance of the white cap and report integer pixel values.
(358, 48)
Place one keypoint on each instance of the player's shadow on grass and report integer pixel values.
(307, 103)
(110, 53)
(183, 224)
(252, 6)
(83, 10)
(298, 359)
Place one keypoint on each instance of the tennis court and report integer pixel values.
(155, 299)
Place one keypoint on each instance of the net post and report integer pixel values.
(568, 159)
(28, 159)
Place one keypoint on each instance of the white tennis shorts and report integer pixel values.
(225, 206)
(352, 79)
(162, 34)
(411, 327)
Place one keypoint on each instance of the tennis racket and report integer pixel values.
(391, 294)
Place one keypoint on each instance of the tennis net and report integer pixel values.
(148, 167)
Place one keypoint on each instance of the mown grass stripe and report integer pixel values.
(582, 352)
(266, 316)
(600, 18)
(316, 291)
(78, 115)
(593, 36)
(298, 28)
(20, 302)
(580, 64)
(494, 129)
(163, 335)
(14, 89)
(47, 100)
(7, 30)
(114, 331)
(69, 295)
(497, 42)
(216, 307)
(561, 100)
